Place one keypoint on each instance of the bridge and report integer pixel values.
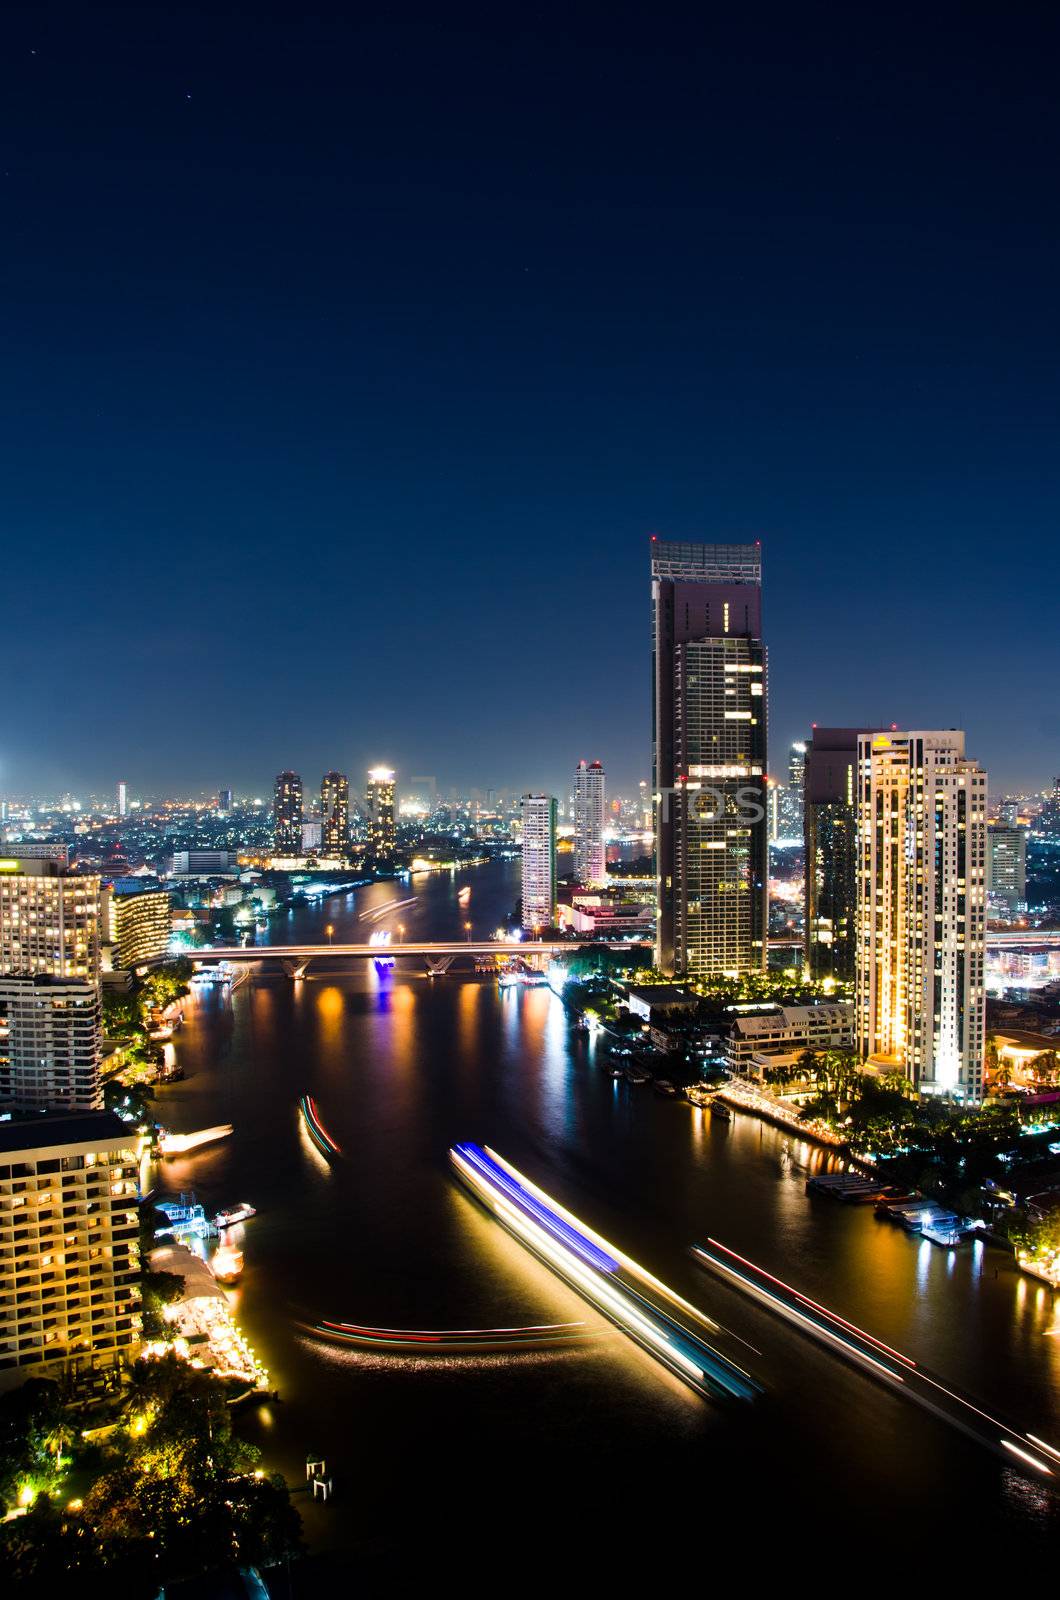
(437, 954)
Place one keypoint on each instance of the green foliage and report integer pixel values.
(28, 1417)
(178, 1494)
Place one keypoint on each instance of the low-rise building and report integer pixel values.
(135, 924)
(653, 1002)
(205, 864)
(772, 1036)
(69, 1249)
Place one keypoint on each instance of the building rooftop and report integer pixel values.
(88, 1127)
(834, 1013)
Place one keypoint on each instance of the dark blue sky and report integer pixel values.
(350, 355)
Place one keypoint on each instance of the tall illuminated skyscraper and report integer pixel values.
(539, 861)
(287, 814)
(709, 757)
(49, 919)
(70, 1246)
(335, 810)
(49, 1058)
(922, 910)
(382, 820)
(830, 824)
(1006, 869)
(590, 857)
(123, 800)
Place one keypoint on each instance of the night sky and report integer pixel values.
(351, 354)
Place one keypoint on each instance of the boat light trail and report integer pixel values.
(316, 1129)
(611, 1281)
(449, 1341)
(870, 1353)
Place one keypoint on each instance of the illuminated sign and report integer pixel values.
(9, 865)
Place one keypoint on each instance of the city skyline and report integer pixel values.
(636, 337)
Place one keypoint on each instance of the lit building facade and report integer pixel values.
(135, 925)
(50, 1044)
(1006, 870)
(590, 856)
(793, 795)
(49, 919)
(830, 833)
(920, 1006)
(709, 757)
(69, 1246)
(539, 861)
(287, 814)
(777, 1036)
(382, 816)
(335, 810)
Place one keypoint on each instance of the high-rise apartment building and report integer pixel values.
(709, 757)
(590, 856)
(134, 924)
(1006, 870)
(335, 810)
(123, 800)
(539, 861)
(830, 832)
(920, 1004)
(224, 801)
(50, 1044)
(49, 919)
(287, 814)
(382, 817)
(70, 1287)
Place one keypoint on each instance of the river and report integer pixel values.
(442, 1457)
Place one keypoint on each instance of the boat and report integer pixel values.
(617, 1072)
(179, 1144)
(720, 1110)
(227, 1264)
(663, 1086)
(465, 895)
(239, 1213)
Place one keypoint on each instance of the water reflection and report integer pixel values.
(405, 1066)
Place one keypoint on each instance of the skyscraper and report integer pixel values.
(382, 821)
(224, 801)
(69, 1240)
(793, 795)
(830, 824)
(287, 814)
(590, 858)
(1006, 870)
(123, 800)
(539, 861)
(50, 1058)
(49, 919)
(922, 910)
(709, 756)
(335, 810)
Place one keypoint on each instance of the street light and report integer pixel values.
(467, 927)
(401, 931)
(329, 930)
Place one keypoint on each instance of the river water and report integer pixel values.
(440, 1460)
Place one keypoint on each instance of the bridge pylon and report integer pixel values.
(296, 969)
(437, 965)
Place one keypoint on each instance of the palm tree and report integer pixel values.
(60, 1437)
